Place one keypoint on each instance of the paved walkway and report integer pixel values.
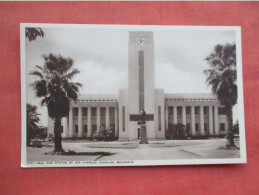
(155, 150)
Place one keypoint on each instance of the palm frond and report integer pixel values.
(39, 67)
(78, 84)
(72, 93)
(45, 100)
(71, 74)
(40, 87)
(36, 73)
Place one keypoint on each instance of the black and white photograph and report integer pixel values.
(131, 95)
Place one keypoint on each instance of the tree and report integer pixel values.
(222, 78)
(56, 89)
(177, 131)
(32, 120)
(33, 33)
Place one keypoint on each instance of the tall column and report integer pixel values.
(89, 122)
(216, 120)
(116, 121)
(98, 119)
(70, 131)
(193, 120)
(80, 130)
(65, 133)
(201, 120)
(107, 112)
(210, 120)
(184, 115)
(175, 115)
(166, 118)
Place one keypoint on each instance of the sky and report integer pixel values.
(101, 54)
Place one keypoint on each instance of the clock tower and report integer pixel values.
(141, 81)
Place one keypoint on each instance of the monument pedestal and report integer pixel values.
(143, 134)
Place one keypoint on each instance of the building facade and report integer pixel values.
(201, 114)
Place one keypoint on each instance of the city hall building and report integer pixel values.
(202, 114)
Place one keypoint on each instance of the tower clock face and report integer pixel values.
(141, 42)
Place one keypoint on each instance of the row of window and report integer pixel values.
(221, 111)
(197, 110)
(222, 126)
(189, 99)
(94, 111)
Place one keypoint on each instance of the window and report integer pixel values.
(94, 128)
(112, 111)
(123, 118)
(84, 111)
(179, 110)
(75, 111)
(103, 111)
(76, 128)
(196, 110)
(94, 111)
(170, 110)
(170, 126)
(222, 126)
(205, 127)
(85, 128)
(205, 110)
(196, 127)
(222, 110)
(159, 118)
(188, 110)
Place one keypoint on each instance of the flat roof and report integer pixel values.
(98, 96)
(190, 95)
(167, 96)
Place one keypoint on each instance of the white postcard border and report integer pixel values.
(243, 157)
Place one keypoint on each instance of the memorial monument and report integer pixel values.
(141, 83)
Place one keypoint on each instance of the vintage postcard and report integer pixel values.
(127, 95)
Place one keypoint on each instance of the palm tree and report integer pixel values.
(222, 78)
(56, 89)
(33, 33)
(32, 120)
